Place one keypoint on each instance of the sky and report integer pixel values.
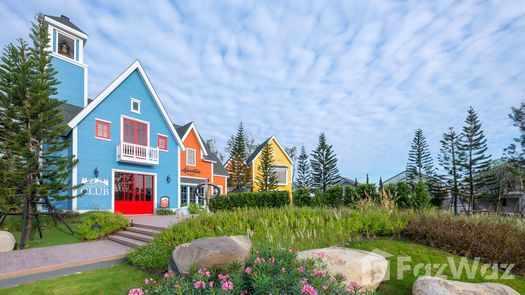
(367, 73)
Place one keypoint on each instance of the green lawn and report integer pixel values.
(419, 254)
(112, 280)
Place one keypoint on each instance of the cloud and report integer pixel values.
(368, 73)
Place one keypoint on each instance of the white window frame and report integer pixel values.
(75, 39)
(165, 136)
(109, 130)
(285, 175)
(133, 100)
(194, 157)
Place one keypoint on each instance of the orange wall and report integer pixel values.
(220, 180)
(201, 165)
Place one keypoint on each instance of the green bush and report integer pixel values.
(196, 208)
(335, 196)
(109, 223)
(494, 240)
(303, 197)
(165, 211)
(270, 199)
(287, 227)
(268, 272)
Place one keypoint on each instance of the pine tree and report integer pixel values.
(33, 133)
(324, 164)
(266, 176)
(419, 164)
(420, 197)
(380, 184)
(239, 172)
(303, 179)
(367, 179)
(473, 160)
(449, 160)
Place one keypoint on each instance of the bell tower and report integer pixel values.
(67, 57)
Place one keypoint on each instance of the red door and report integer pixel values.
(134, 193)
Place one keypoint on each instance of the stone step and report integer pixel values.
(157, 228)
(145, 231)
(126, 241)
(135, 236)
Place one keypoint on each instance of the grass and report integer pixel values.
(112, 280)
(420, 254)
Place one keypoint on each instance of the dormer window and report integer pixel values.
(135, 105)
(66, 46)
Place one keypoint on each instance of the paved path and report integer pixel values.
(36, 260)
(159, 221)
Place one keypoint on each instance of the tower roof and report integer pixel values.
(64, 20)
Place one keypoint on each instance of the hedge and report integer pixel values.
(271, 199)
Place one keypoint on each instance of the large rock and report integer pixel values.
(7, 241)
(211, 252)
(366, 268)
(437, 286)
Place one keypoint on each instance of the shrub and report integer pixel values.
(196, 208)
(109, 223)
(335, 196)
(164, 211)
(303, 197)
(493, 240)
(268, 272)
(289, 227)
(270, 199)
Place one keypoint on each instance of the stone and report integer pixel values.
(437, 286)
(7, 241)
(367, 268)
(217, 252)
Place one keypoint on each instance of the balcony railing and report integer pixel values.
(138, 154)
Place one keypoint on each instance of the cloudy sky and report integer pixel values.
(367, 73)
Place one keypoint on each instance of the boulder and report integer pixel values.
(438, 286)
(7, 241)
(211, 252)
(366, 268)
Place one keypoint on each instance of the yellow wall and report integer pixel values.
(280, 160)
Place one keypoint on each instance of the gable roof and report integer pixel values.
(184, 130)
(106, 92)
(344, 181)
(61, 21)
(258, 150)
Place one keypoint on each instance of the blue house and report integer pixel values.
(127, 148)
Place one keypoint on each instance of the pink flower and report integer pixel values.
(355, 285)
(185, 273)
(321, 273)
(259, 260)
(301, 268)
(326, 288)
(227, 286)
(248, 270)
(308, 289)
(166, 275)
(176, 286)
(146, 281)
(204, 272)
(223, 278)
(243, 292)
(137, 291)
(199, 285)
(211, 284)
(320, 254)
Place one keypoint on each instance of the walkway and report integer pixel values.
(158, 222)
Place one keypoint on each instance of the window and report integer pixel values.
(102, 129)
(135, 132)
(66, 46)
(281, 175)
(183, 196)
(133, 187)
(191, 157)
(135, 105)
(162, 142)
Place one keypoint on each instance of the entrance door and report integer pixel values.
(134, 193)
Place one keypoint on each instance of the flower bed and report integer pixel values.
(267, 272)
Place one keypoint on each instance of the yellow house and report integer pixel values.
(283, 165)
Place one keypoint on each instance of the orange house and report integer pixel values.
(198, 165)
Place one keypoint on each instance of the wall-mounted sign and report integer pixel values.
(191, 171)
(95, 186)
(165, 202)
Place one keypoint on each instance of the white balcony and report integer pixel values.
(137, 154)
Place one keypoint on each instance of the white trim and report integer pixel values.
(54, 54)
(167, 145)
(278, 145)
(178, 175)
(96, 129)
(195, 158)
(101, 138)
(285, 175)
(192, 126)
(86, 99)
(106, 121)
(132, 172)
(59, 25)
(74, 172)
(137, 101)
(194, 177)
(138, 120)
(106, 92)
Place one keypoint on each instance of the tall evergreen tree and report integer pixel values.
(291, 151)
(239, 172)
(380, 184)
(324, 164)
(419, 164)
(367, 179)
(32, 138)
(473, 160)
(266, 175)
(449, 160)
(515, 153)
(303, 179)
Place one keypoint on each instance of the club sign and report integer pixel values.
(95, 186)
